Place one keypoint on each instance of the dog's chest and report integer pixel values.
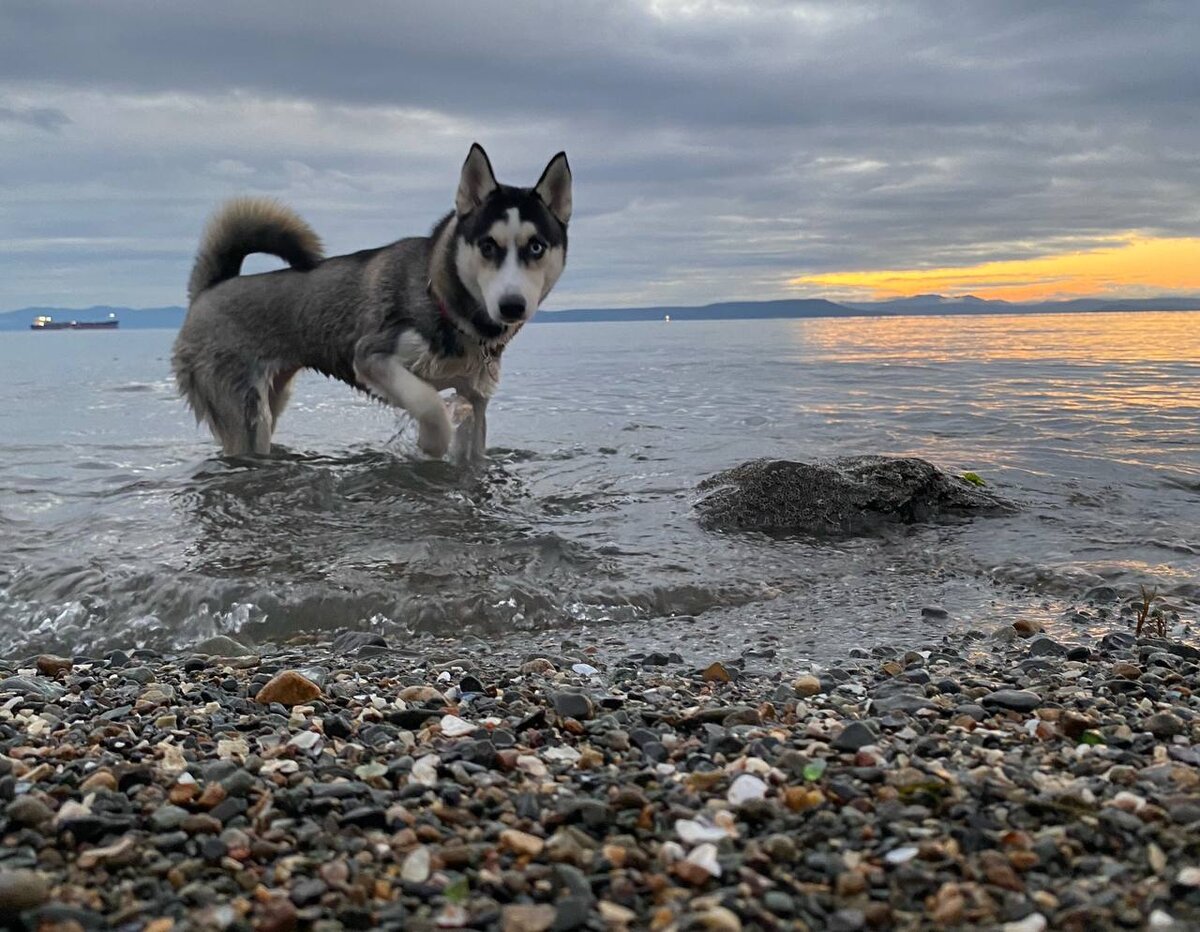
(476, 371)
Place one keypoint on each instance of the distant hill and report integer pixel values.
(969, 304)
(727, 310)
(169, 318)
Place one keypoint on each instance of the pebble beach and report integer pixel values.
(996, 780)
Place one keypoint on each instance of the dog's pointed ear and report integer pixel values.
(477, 181)
(554, 187)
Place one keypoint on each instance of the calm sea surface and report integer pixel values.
(119, 526)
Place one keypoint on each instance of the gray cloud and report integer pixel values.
(719, 148)
(49, 119)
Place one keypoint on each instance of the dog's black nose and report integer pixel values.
(512, 308)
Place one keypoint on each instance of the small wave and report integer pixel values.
(138, 387)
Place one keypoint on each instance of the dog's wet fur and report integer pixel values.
(401, 322)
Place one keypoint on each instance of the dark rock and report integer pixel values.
(851, 495)
(591, 812)
(34, 687)
(1164, 725)
(21, 890)
(571, 912)
(239, 783)
(222, 646)
(168, 817)
(228, 809)
(365, 817)
(1117, 640)
(169, 841)
(779, 903)
(213, 849)
(854, 736)
(410, 718)
(471, 684)
(1017, 700)
(1046, 647)
(481, 752)
(349, 641)
(29, 811)
(572, 705)
(908, 702)
(308, 891)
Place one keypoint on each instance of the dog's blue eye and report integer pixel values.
(536, 247)
(488, 247)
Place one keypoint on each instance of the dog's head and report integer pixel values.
(511, 242)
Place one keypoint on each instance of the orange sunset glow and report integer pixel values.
(1134, 266)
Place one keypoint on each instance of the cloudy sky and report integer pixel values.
(720, 149)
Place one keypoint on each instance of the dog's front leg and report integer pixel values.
(479, 405)
(386, 378)
(470, 438)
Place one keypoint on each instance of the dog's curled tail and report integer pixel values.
(246, 225)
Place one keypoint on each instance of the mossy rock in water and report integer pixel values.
(848, 496)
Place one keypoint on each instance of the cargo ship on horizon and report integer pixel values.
(48, 323)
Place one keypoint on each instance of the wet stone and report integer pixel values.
(854, 736)
(29, 812)
(21, 890)
(572, 705)
(1017, 700)
(1164, 725)
(1046, 647)
(349, 641)
(308, 891)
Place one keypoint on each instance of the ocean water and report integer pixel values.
(120, 526)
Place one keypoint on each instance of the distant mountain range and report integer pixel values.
(157, 318)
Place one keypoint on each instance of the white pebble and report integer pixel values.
(901, 855)
(706, 856)
(694, 831)
(1034, 922)
(531, 765)
(745, 788)
(1161, 919)
(561, 754)
(1188, 877)
(584, 669)
(1129, 802)
(669, 852)
(228, 748)
(455, 727)
(280, 766)
(305, 740)
(424, 771)
(416, 865)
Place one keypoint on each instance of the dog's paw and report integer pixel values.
(435, 434)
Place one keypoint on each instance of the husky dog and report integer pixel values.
(402, 322)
